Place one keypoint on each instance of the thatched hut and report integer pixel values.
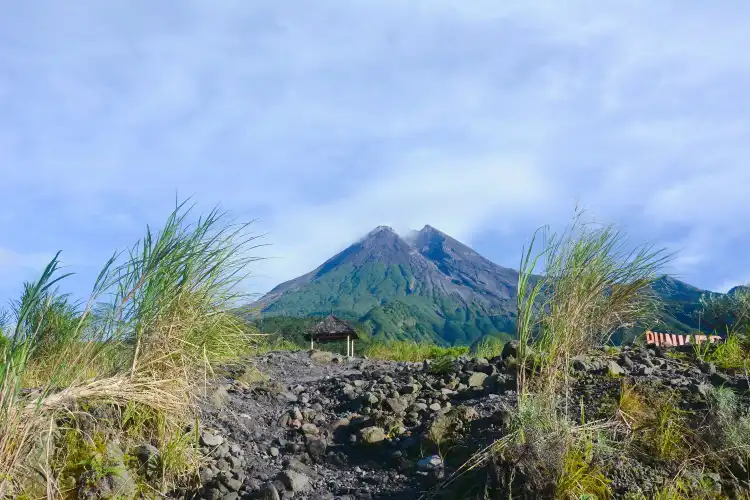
(332, 329)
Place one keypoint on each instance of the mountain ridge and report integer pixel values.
(426, 285)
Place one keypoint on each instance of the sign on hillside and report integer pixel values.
(669, 339)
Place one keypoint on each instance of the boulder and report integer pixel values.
(287, 397)
(219, 397)
(626, 361)
(396, 405)
(310, 430)
(371, 435)
(211, 439)
(430, 463)
(251, 375)
(321, 357)
(510, 350)
(295, 481)
(369, 398)
(708, 368)
(614, 370)
(267, 492)
(316, 448)
(579, 364)
(477, 379)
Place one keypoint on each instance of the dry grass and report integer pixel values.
(167, 318)
(632, 408)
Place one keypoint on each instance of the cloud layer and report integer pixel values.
(324, 119)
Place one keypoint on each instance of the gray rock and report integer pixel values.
(579, 365)
(626, 361)
(210, 439)
(701, 388)
(477, 379)
(212, 494)
(409, 389)
(274, 451)
(231, 483)
(316, 448)
(267, 492)
(340, 423)
(396, 405)
(321, 356)
(614, 370)
(510, 350)
(295, 481)
(295, 414)
(708, 368)
(370, 398)
(207, 475)
(288, 397)
(645, 370)
(371, 435)
(219, 397)
(310, 430)
(430, 463)
(719, 379)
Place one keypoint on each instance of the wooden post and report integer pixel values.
(348, 347)
(352, 348)
(312, 347)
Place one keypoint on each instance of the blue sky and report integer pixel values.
(324, 119)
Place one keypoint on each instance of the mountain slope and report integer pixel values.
(429, 286)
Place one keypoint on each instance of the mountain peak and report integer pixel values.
(381, 229)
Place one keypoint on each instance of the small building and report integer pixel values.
(332, 329)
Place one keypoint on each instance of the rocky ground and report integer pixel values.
(320, 426)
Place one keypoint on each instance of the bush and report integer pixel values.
(487, 347)
(405, 350)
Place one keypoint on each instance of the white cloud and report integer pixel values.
(484, 119)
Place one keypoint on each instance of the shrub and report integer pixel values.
(405, 350)
(487, 347)
(732, 353)
(729, 422)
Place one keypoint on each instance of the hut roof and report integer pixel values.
(331, 328)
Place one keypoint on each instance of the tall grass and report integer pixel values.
(33, 338)
(593, 285)
(157, 317)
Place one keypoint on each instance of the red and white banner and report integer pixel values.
(669, 339)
